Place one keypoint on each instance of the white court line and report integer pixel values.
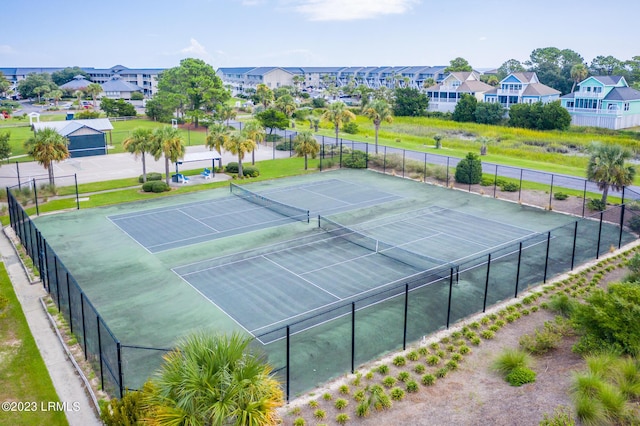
(129, 235)
(302, 278)
(214, 304)
(199, 221)
(338, 263)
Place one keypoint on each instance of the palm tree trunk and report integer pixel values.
(305, 161)
(166, 169)
(50, 170)
(253, 157)
(240, 174)
(337, 130)
(377, 127)
(144, 169)
(605, 193)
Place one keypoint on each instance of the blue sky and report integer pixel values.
(227, 33)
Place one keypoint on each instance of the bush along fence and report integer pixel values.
(336, 340)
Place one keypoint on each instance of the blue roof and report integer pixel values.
(264, 70)
(240, 70)
(322, 69)
(608, 80)
(623, 94)
(118, 85)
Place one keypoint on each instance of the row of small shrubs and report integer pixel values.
(247, 171)
(156, 186)
(150, 177)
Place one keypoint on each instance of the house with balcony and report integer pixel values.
(443, 97)
(521, 88)
(603, 101)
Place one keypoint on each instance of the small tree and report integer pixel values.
(167, 142)
(469, 169)
(5, 147)
(140, 143)
(409, 102)
(47, 146)
(217, 137)
(305, 145)
(239, 144)
(607, 168)
(93, 90)
(272, 119)
(337, 113)
(489, 113)
(378, 111)
(465, 109)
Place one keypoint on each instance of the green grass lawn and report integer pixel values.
(23, 374)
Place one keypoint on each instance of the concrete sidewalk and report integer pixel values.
(66, 381)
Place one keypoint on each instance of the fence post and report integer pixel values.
(340, 152)
(495, 182)
(353, 337)
(424, 174)
(18, 171)
(599, 236)
(450, 291)
(573, 252)
(520, 190)
(584, 197)
(447, 171)
(551, 192)
(84, 327)
(546, 257)
(404, 154)
(120, 378)
(406, 307)
(288, 387)
(35, 196)
(55, 265)
(486, 284)
(100, 351)
(518, 270)
(366, 158)
(621, 223)
(75, 176)
(69, 300)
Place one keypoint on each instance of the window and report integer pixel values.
(570, 104)
(626, 106)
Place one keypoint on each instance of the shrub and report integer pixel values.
(285, 146)
(127, 410)
(383, 369)
(151, 176)
(464, 349)
(413, 356)
(487, 181)
(327, 396)
(419, 368)
(469, 169)
(341, 403)
(231, 167)
(389, 381)
(509, 360)
(397, 394)
(399, 361)
(520, 376)
(428, 379)
(313, 404)
(541, 342)
(595, 204)
(250, 171)
(456, 357)
(359, 395)
(562, 304)
(561, 417)
(350, 127)
(320, 414)
(560, 195)
(344, 390)
(452, 365)
(362, 410)
(433, 360)
(403, 376)
(412, 386)
(488, 334)
(509, 187)
(155, 186)
(442, 372)
(354, 160)
(342, 418)
(299, 422)
(634, 224)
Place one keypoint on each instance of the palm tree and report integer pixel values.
(337, 113)
(93, 90)
(264, 94)
(56, 95)
(79, 95)
(226, 113)
(254, 131)
(428, 83)
(306, 144)
(578, 73)
(217, 137)
(607, 168)
(239, 144)
(287, 105)
(47, 146)
(213, 380)
(168, 142)
(379, 111)
(140, 143)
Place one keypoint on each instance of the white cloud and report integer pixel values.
(196, 50)
(349, 10)
(483, 38)
(5, 49)
(252, 2)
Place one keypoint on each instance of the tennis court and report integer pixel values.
(193, 223)
(291, 283)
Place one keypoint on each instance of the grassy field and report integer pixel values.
(23, 375)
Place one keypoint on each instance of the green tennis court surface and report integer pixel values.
(193, 223)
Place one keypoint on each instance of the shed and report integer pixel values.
(86, 137)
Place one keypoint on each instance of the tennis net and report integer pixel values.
(276, 206)
(415, 260)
